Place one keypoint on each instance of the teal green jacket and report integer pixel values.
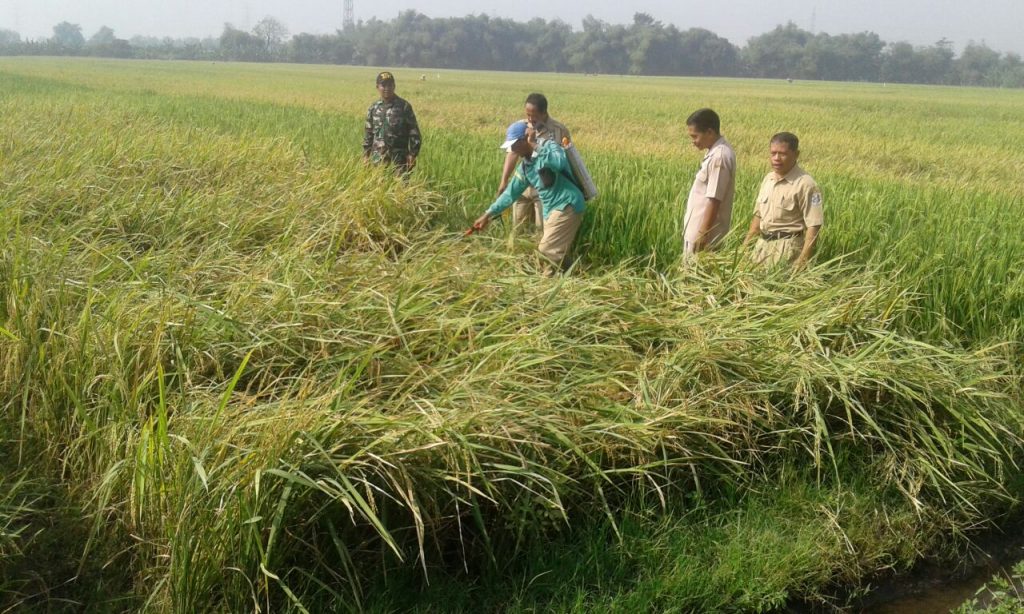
(563, 193)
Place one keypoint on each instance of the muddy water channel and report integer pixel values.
(934, 590)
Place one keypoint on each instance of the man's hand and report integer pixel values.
(482, 221)
(410, 162)
(753, 232)
(366, 159)
(805, 254)
(711, 206)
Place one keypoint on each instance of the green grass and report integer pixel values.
(758, 552)
(1004, 594)
(269, 378)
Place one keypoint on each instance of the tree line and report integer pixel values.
(644, 47)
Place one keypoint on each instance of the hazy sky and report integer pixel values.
(996, 22)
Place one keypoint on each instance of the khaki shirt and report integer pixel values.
(715, 179)
(552, 130)
(789, 204)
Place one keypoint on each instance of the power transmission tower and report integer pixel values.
(349, 20)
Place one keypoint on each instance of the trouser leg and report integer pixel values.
(522, 212)
(780, 251)
(528, 210)
(559, 232)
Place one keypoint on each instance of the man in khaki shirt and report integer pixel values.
(709, 206)
(788, 209)
(528, 207)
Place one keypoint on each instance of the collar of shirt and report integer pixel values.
(718, 143)
(789, 177)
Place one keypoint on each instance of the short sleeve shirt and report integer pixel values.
(715, 179)
(552, 130)
(789, 204)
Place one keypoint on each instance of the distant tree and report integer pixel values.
(371, 43)
(9, 38)
(600, 48)
(334, 48)
(67, 37)
(847, 57)
(644, 47)
(779, 53)
(271, 34)
(103, 36)
(239, 45)
(104, 43)
(937, 62)
(978, 65)
(705, 53)
(1011, 71)
(644, 20)
(309, 49)
(653, 48)
(550, 44)
(412, 42)
(901, 64)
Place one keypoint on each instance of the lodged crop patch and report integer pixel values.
(266, 381)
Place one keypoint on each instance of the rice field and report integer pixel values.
(241, 372)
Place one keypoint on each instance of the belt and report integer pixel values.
(780, 234)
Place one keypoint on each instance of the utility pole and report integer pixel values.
(349, 21)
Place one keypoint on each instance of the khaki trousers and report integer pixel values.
(528, 210)
(559, 232)
(779, 251)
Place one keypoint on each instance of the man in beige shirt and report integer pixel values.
(709, 206)
(528, 207)
(788, 209)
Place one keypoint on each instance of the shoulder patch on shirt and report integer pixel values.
(816, 199)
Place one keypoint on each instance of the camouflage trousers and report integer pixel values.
(398, 160)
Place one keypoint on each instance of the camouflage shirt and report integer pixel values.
(391, 131)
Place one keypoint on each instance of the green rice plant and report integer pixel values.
(276, 375)
(14, 508)
(923, 204)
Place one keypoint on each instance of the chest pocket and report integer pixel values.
(787, 204)
(702, 174)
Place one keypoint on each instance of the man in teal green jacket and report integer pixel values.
(545, 167)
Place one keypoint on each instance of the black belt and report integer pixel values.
(780, 234)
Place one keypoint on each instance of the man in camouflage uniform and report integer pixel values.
(392, 134)
(788, 210)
